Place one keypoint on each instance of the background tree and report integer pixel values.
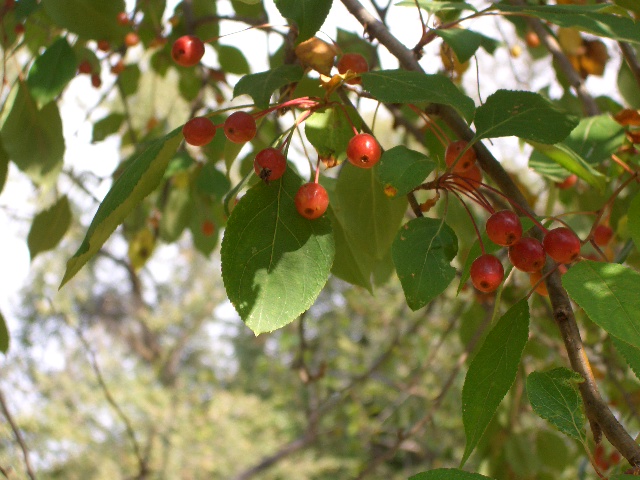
(417, 294)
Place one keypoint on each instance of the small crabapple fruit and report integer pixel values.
(208, 228)
(311, 200)
(562, 244)
(240, 127)
(96, 81)
(532, 39)
(487, 273)
(187, 51)
(104, 45)
(123, 19)
(131, 39)
(602, 235)
(199, 131)
(568, 182)
(270, 164)
(504, 228)
(527, 255)
(363, 150)
(84, 67)
(452, 153)
(354, 62)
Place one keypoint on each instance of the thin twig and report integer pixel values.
(18, 435)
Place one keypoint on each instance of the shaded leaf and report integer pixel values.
(88, 18)
(329, 131)
(465, 42)
(630, 353)
(260, 86)
(4, 166)
(422, 253)
(176, 214)
(401, 86)
(212, 181)
(309, 15)
(554, 396)
(51, 71)
(4, 335)
(128, 80)
(596, 138)
(633, 214)
(232, 60)
(492, 372)
(106, 126)
(448, 474)
(401, 170)
(49, 226)
(274, 261)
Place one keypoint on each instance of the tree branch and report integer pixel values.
(18, 435)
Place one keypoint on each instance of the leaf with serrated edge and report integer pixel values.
(608, 293)
(554, 397)
(525, 115)
(403, 169)
(492, 372)
(309, 15)
(260, 86)
(448, 474)
(138, 180)
(329, 131)
(422, 253)
(630, 353)
(48, 227)
(4, 335)
(274, 261)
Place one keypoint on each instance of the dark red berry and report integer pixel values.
(602, 235)
(270, 164)
(131, 39)
(123, 19)
(504, 228)
(363, 150)
(19, 28)
(452, 153)
(96, 81)
(104, 45)
(84, 67)
(240, 127)
(469, 180)
(311, 200)
(487, 273)
(354, 62)
(562, 244)
(199, 131)
(527, 254)
(187, 50)
(568, 182)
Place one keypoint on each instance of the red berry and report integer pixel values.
(486, 273)
(532, 39)
(240, 127)
(504, 228)
(363, 150)
(187, 51)
(469, 180)
(602, 235)
(199, 131)
(354, 62)
(312, 200)
(84, 67)
(527, 254)
(614, 457)
(541, 288)
(208, 228)
(123, 19)
(452, 153)
(118, 67)
(131, 39)
(95, 80)
(270, 164)
(562, 244)
(568, 182)
(104, 45)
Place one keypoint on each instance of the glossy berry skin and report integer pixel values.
(504, 228)
(487, 273)
(363, 150)
(541, 288)
(527, 255)
(311, 200)
(465, 162)
(354, 62)
(602, 235)
(131, 39)
(240, 127)
(187, 51)
(199, 131)
(270, 164)
(568, 182)
(562, 245)
(469, 180)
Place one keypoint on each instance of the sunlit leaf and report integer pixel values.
(51, 71)
(309, 15)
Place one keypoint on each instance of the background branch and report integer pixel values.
(19, 437)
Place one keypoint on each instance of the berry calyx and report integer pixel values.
(527, 255)
(198, 131)
(568, 182)
(487, 273)
(131, 39)
(240, 127)
(187, 51)
(452, 153)
(541, 288)
(602, 235)
(311, 200)
(562, 244)
(270, 164)
(84, 67)
(354, 62)
(363, 150)
(504, 228)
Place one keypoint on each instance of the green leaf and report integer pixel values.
(401, 86)
(596, 138)
(522, 114)
(435, 6)
(329, 131)
(4, 166)
(212, 181)
(633, 214)
(202, 217)
(574, 163)
(33, 138)
(629, 4)
(128, 80)
(448, 474)
(51, 71)
(492, 372)
(176, 214)
(48, 227)
(608, 293)
(141, 176)
(554, 396)
(106, 126)
(260, 86)
(365, 223)
(232, 60)
(630, 353)
(401, 170)
(88, 18)
(309, 15)
(4, 335)
(274, 261)
(422, 253)
(553, 449)
(622, 476)
(589, 18)
(465, 42)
